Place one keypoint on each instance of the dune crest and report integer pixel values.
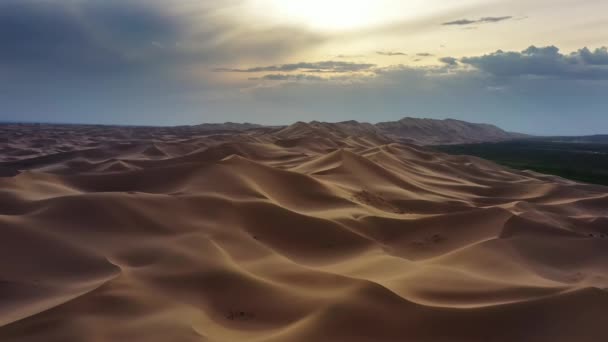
(312, 232)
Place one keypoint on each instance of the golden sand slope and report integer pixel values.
(297, 235)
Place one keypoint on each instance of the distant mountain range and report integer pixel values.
(407, 130)
(226, 126)
(442, 132)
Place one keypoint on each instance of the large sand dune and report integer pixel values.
(305, 233)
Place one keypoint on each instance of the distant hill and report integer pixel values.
(444, 132)
(226, 126)
(407, 130)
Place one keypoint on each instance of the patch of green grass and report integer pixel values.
(584, 162)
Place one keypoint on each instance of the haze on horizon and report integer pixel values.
(536, 67)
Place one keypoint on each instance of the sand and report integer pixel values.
(290, 234)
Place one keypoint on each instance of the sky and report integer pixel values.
(538, 67)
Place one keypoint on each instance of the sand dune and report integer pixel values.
(312, 232)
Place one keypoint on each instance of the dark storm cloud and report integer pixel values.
(451, 61)
(483, 20)
(325, 66)
(391, 53)
(583, 64)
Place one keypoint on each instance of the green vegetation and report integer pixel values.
(584, 162)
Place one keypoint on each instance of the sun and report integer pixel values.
(334, 15)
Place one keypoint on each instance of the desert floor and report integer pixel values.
(305, 233)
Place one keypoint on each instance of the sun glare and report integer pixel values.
(335, 14)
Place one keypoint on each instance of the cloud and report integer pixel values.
(82, 36)
(325, 66)
(583, 64)
(136, 61)
(349, 56)
(597, 57)
(451, 61)
(464, 88)
(523, 103)
(460, 22)
(484, 20)
(494, 19)
(130, 61)
(391, 53)
(289, 77)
